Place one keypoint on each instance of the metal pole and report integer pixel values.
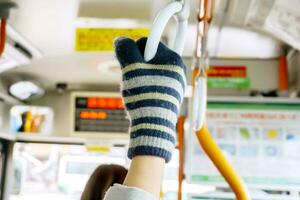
(7, 170)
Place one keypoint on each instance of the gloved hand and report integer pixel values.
(152, 92)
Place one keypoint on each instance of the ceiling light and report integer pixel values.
(25, 90)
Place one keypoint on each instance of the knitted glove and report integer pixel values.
(152, 92)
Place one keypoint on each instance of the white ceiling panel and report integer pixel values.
(50, 25)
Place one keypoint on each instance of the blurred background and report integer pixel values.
(61, 113)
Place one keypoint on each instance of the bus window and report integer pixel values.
(45, 171)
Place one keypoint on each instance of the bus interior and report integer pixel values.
(62, 115)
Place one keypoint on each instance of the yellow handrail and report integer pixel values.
(222, 164)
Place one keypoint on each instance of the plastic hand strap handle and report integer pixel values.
(181, 11)
(199, 102)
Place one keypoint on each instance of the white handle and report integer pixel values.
(199, 103)
(159, 25)
(180, 37)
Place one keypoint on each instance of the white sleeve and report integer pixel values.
(121, 192)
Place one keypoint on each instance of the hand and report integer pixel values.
(152, 92)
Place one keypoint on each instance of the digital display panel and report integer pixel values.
(100, 114)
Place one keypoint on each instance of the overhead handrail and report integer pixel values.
(181, 11)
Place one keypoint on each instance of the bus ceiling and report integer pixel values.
(253, 29)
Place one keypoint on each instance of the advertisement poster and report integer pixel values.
(230, 196)
(262, 141)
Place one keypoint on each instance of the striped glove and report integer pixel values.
(152, 92)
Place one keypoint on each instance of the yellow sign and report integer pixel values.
(101, 39)
(93, 148)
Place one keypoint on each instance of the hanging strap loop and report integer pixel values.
(179, 9)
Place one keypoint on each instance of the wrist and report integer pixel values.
(152, 140)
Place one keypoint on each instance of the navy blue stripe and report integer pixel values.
(152, 103)
(153, 133)
(154, 120)
(154, 72)
(150, 151)
(149, 89)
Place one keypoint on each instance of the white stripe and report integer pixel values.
(153, 95)
(153, 112)
(152, 81)
(172, 68)
(152, 142)
(153, 127)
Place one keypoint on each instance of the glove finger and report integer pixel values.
(163, 56)
(127, 51)
(141, 43)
